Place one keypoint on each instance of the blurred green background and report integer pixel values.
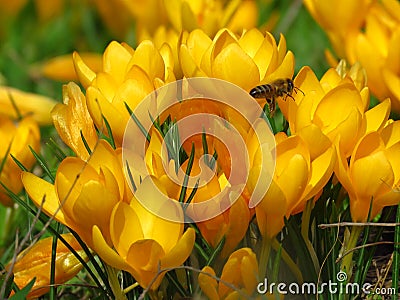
(25, 42)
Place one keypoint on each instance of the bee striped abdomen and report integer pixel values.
(262, 91)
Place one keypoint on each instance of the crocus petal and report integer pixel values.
(349, 130)
(251, 41)
(231, 274)
(392, 154)
(181, 251)
(83, 71)
(369, 144)
(317, 142)
(307, 81)
(27, 103)
(271, 210)
(104, 157)
(208, 284)
(98, 105)
(266, 57)
(377, 116)
(149, 59)
(145, 255)
(294, 179)
(341, 169)
(392, 82)
(107, 85)
(321, 171)
(365, 50)
(391, 134)
(115, 61)
(189, 20)
(284, 70)
(372, 173)
(62, 67)
(72, 121)
(287, 149)
(86, 212)
(231, 63)
(106, 252)
(137, 86)
(124, 223)
(70, 170)
(189, 67)
(330, 79)
(239, 218)
(43, 194)
(165, 232)
(389, 199)
(330, 109)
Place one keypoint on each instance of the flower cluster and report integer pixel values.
(368, 32)
(173, 166)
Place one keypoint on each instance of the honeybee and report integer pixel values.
(278, 88)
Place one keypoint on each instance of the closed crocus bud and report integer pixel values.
(73, 122)
(35, 262)
(241, 271)
(16, 137)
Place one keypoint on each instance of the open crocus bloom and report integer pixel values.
(144, 244)
(82, 191)
(228, 57)
(373, 175)
(128, 76)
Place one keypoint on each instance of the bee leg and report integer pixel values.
(288, 95)
(297, 89)
(272, 106)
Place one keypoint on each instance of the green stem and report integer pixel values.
(347, 262)
(114, 283)
(131, 287)
(6, 233)
(288, 261)
(396, 254)
(264, 256)
(305, 227)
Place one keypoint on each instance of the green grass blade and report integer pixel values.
(56, 149)
(85, 143)
(396, 253)
(128, 169)
(3, 161)
(53, 288)
(43, 164)
(19, 164)
(174, 281)
(109, 132)
(23, 293)
(186, 178)
(137, 122)
(216, 252)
